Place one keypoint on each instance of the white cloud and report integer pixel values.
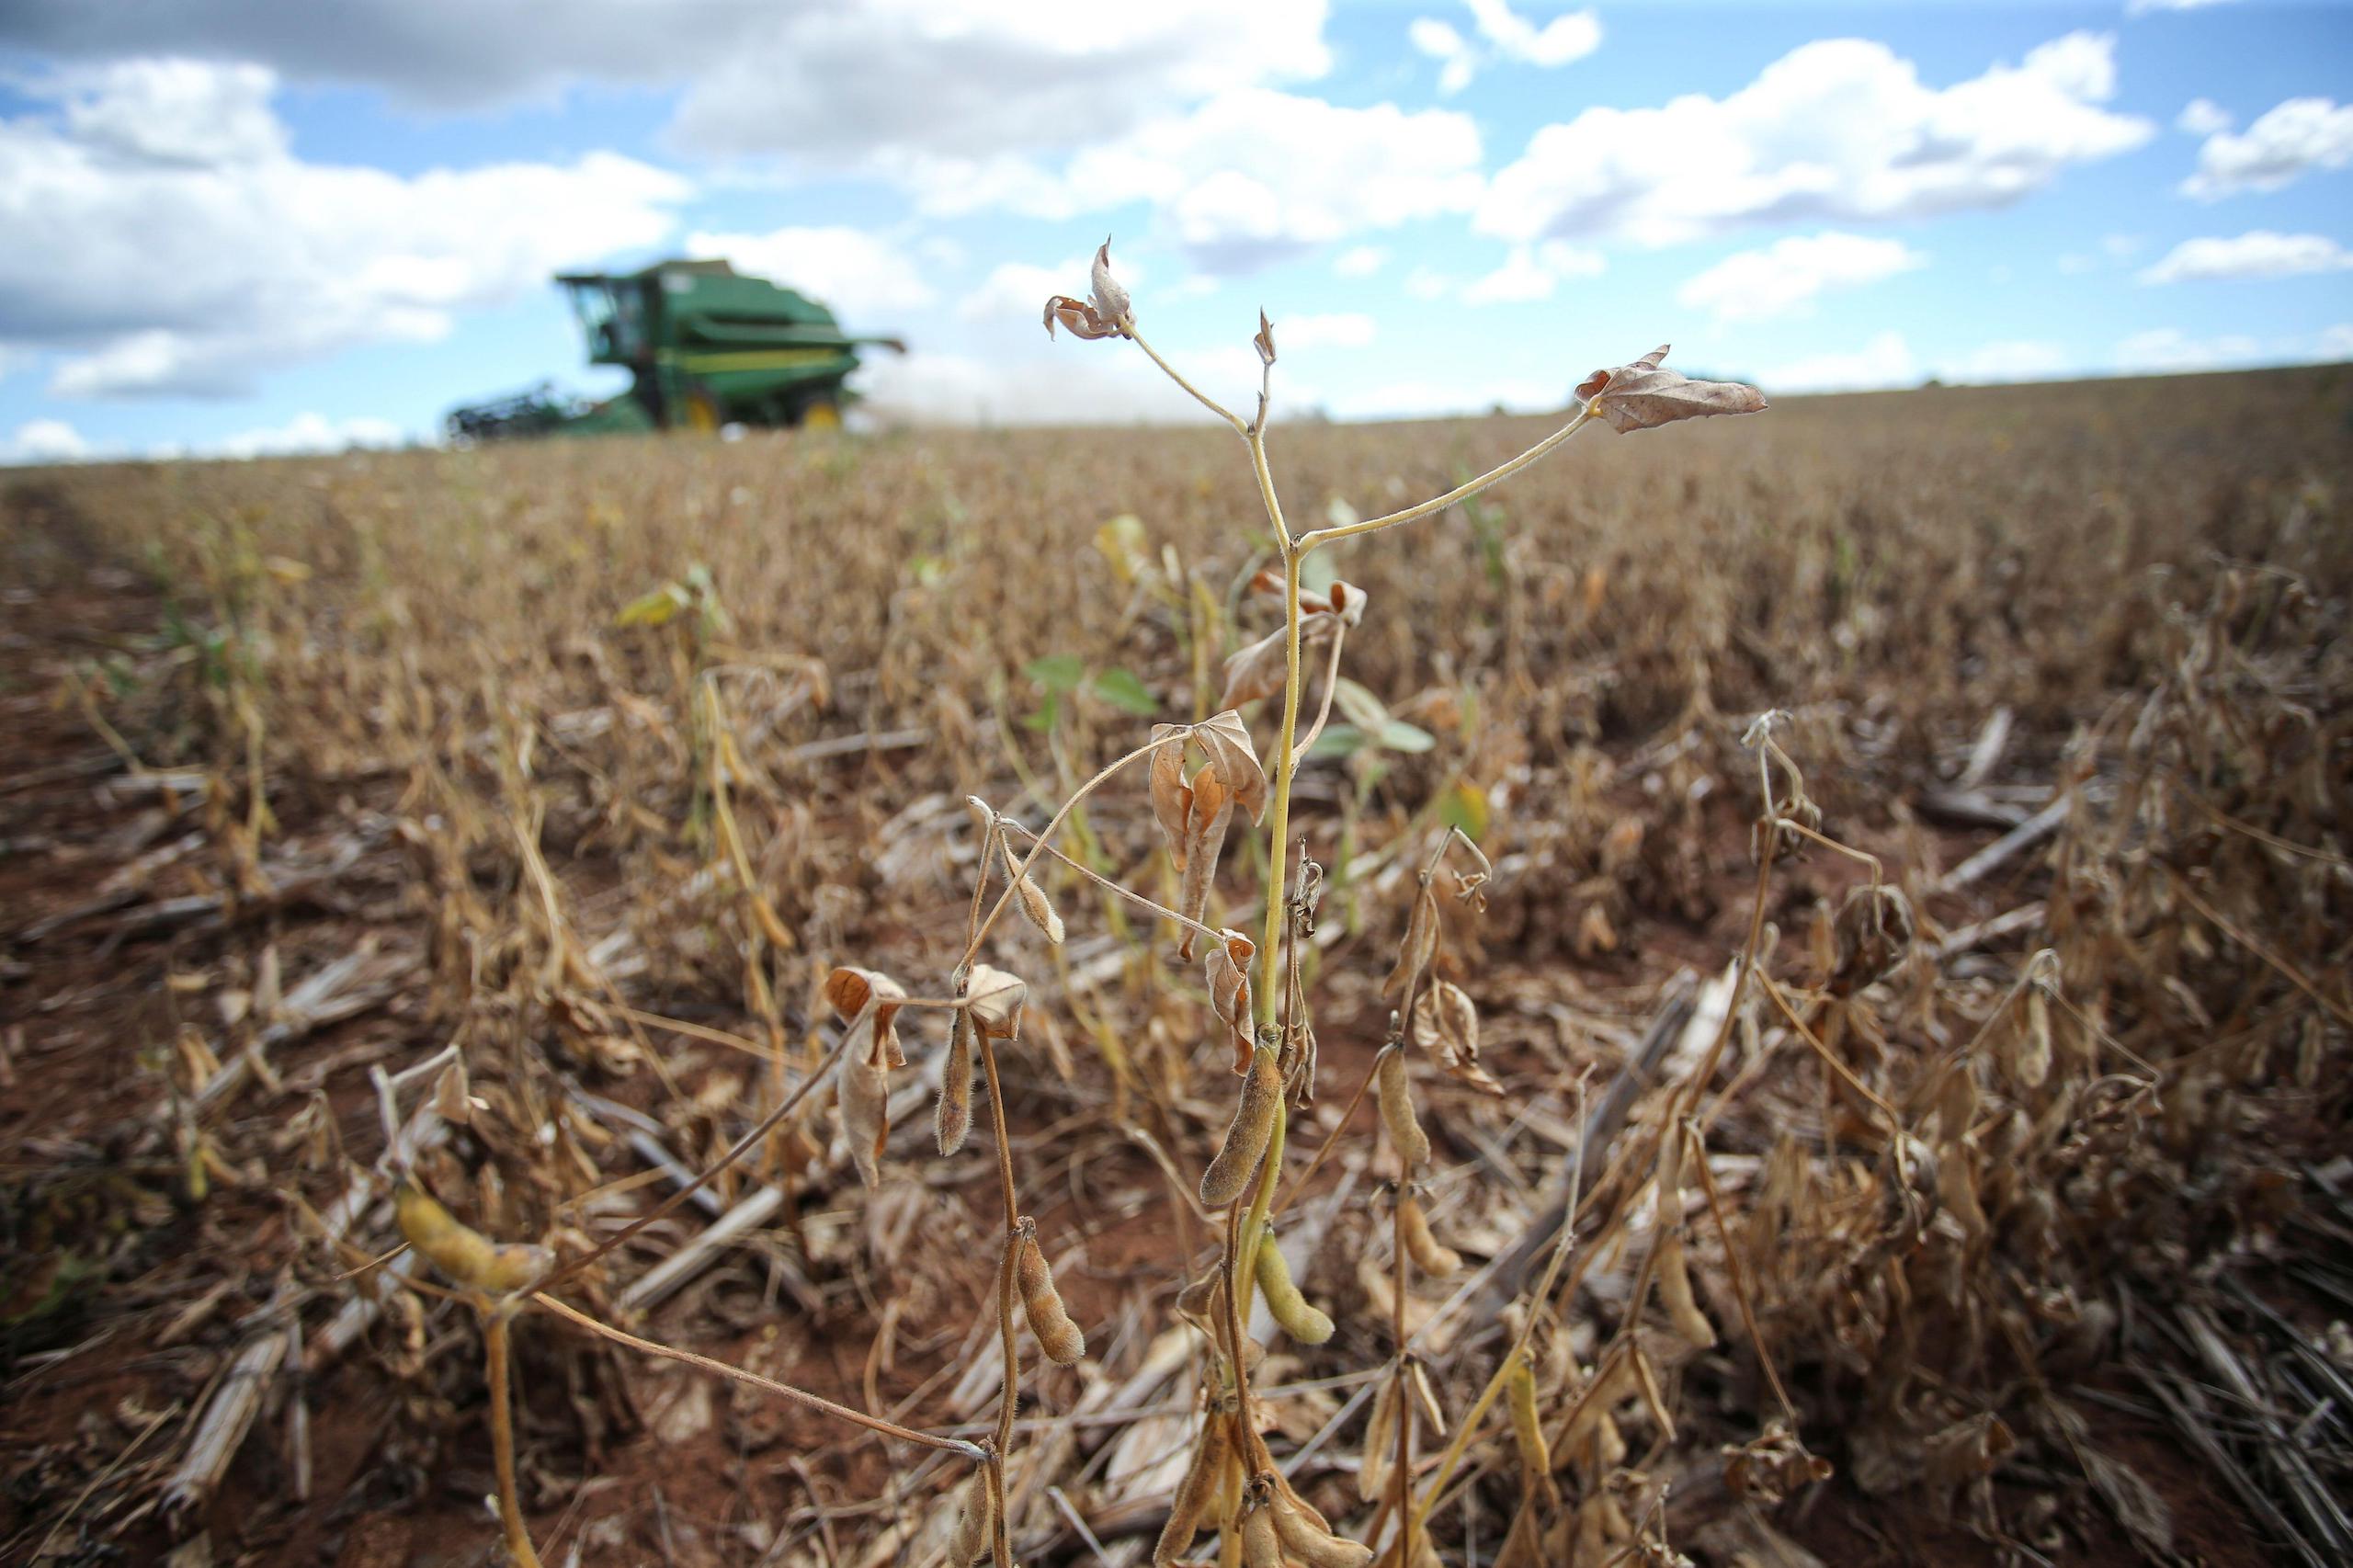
(153, 272)
(2202, 117)
(2258, 253)
(2143, 7)
(2012, 361)
(821, 84)
(1359, 261)
(308, 432)
(1428, 283)
(1457, 62)
(1531, 272)
(1507, 36)
(1070, 382)
(1886, 361)
(44, 441)
(1838, 129)
(2336, 341)
(2292, 139)
(2170, 348)
(858, 275)
(1784, 278)
(1247, 178)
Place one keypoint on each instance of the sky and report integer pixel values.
(237, 227)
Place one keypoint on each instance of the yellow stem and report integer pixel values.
(502, 1438)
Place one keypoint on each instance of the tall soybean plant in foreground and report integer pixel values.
(1232, 1482)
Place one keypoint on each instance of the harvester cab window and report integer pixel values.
(612, 318)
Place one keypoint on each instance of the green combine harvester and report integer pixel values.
(706, 346)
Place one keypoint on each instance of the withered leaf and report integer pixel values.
(1110, 296)
(1227, 740)
(1415, 953)
(1263, 342)
(1228, 971)
(1104, 314)
(1445, 1025)
(1207, 812)
(994, 999)
(1171, 796)
(1646, 393)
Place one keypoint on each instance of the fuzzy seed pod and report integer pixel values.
(1033, 901)
(1379, 1444)
(2032, 1063)
(1527, 1428)
(1675, 1294)
(974, 1536)
(1043, 1304)
(1261, 1547)
(1405, 1134)
(463, 1255)
(1430, 1256)
(1246, 1140)
(953, 1118)
(1204, 1479)
(1300, 1318)
(1416, 951)
(1305, 1535)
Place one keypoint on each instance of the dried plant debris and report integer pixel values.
(472, 914)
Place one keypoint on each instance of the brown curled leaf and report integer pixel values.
(1227, 969)
(1227, 740)
(1645, 393)
(1171, 796)
(1445, 1025)
(1206, 816)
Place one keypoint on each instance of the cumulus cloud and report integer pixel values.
(1359, 261)
(1842, 128)
(2258, 253)
(1069, 383)
(1784, 278)
(1504, 34)
(1338, 329)
(1246, 177)
(1531, 272)
(1886, 361)
(858, 275)
(2202, 117)
(2170, 348)
(2017, 360)
(44, 441)
(2145, 7)
(306, 433)
(162, 252)
(2290, 141)
(821, 84)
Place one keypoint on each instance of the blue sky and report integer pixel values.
(235, 226)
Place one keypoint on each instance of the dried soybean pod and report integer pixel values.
(1379, 1442)
(463, 1254)
(1675, 1294)
(1305, 1534)
(976, 1533)
(1396, 1096)
(1299, 1318)
(1042, 1303)
(954, 1119)
(1246, 1140)
(1527, 1428)
(1204, 1479)
(1429, 1255)
(1261, 1547)
(1033, 901)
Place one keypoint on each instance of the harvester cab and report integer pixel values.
(705, 347)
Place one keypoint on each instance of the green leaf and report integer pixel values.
(1122, 690)
(1042, 720)
(1398, 735)
(1465, 806)
(1340, 741)
(1360, 707)
(655, 609)
(1057, 672)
